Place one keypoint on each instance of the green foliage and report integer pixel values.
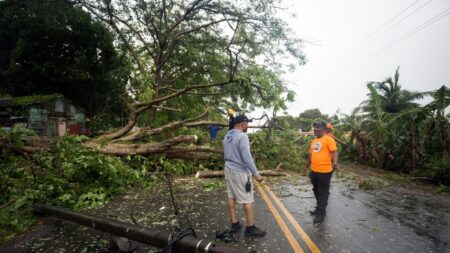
(396, 177)
(389, 130)
(439, 169)
(308, 117)
(367, 184)
(54, 47)
(177, 167)
(212, 184)
(242, 46)
(67, 175)
(18, 134)
(288, 122)
(272, 148)
(392, 98)
(105, 122)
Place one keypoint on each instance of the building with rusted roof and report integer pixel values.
(48, 115)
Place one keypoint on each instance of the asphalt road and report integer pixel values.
(389, 218)
(394, 219)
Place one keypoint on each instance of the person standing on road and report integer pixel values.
(239, 169)
(323, 159)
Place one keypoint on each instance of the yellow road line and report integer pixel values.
(312, 246)
(290, 237)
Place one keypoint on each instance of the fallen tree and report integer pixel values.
(188, 56)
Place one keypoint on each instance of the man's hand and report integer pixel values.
(336, 166)
(304, 170)
(259, 178)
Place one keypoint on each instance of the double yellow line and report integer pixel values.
(290, 237)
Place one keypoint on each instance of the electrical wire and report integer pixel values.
(390, 27)
(363, 42)
(380, 31)
(401, 38)
(179, 207)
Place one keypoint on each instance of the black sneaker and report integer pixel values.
(254, 231)
(235, 227)
(316, 212)
(319, 219)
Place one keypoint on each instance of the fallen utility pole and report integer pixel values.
(134, 232)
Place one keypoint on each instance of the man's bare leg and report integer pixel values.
(232, 208)
(248, 208)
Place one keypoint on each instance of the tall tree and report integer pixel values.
(437, 131)
(393, 98)
(307, 117)
(192, 55)
(56, 47)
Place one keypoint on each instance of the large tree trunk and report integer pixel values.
(139, 149)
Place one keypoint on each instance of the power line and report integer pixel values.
(399, 22)
(401, 38)
(369, 38)
(418, 29)
(379, 29)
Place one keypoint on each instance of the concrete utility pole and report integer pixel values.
(137, 233)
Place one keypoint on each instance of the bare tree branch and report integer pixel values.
(167, 108)
(182, 91)
(123, 38)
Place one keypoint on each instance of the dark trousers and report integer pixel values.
(321, 189)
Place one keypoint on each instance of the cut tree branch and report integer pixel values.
(154, 131)
(118, 149)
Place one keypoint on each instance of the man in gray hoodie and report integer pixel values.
(239, 169)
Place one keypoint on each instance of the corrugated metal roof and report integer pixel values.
(33, 99)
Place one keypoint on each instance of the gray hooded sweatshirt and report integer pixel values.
(237, 152)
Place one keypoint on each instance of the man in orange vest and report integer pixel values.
(323, 160)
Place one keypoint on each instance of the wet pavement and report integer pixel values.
(389, 218)
(394, 219)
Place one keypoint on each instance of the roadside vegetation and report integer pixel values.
(392, 132)
(69, 175)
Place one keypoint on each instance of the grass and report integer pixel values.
(212, 184)
(367, 184)
(396, 177)
(443, 189)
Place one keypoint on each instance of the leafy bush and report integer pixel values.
(270, 149)
(439, 169)
(67, 175)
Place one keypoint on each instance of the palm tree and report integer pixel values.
(393, 98)
(441, 100)
(438, 127)
(429, 122)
